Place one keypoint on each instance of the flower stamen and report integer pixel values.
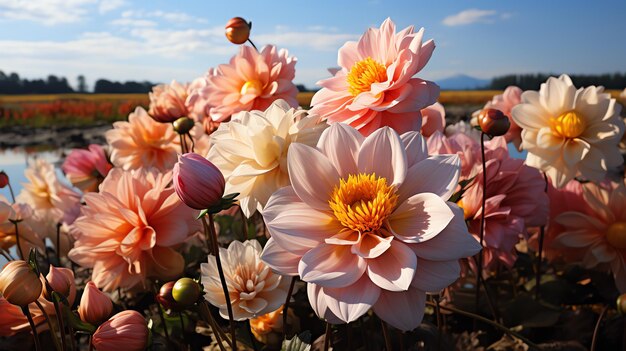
(365, 73)
(568, 125)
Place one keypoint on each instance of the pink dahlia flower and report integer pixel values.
(433, 119)
(366, 224)
(251, 81)
(505, 102)
(168, 102)
(375, 86)
(86, 169)
(22, 213)
(461, 144)
(600, 231)
(515, 201)
(131, 230)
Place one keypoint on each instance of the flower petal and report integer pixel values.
(438, 174)
(351, 302)
(403, 310)
(420, 218)
(314, 188)
(434, 276)
(383, 153)
(341, 144)
(394, 269)
(331, 266)
(280, 259)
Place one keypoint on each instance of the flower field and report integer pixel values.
(234, 213)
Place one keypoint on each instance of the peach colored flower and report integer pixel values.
(366, 224)
(570, 132)
(144, 143)
(433, 119)
(253, 288)
(515, 201)
(463, 127)
(168, 102)
(86, 169)
(47, 195)
(505, 102)
(375, 86)
(251, 150)
(601, 231)
(131, 230)
(13, 321)
(126, 330)
(251, 81)
(22, 214)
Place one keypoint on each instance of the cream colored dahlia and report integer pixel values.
(253, 288)
(251, 150)
(570, 132)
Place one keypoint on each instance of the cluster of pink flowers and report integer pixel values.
(367, 197)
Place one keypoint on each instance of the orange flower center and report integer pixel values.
(466, 213)
(365, 73)
(363, 202)
(253, 87)
(568, 125)
(616, 235)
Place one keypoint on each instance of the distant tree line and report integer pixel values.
(533, 81)
(13, 84)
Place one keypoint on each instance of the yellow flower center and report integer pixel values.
(466, 213)
(616, 235)
(568, 125)
(363, 74)
(363, 202)
(253, 87)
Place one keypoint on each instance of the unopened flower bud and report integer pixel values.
(183, 125)
(167, 102)
(186, 292)
(165, 298)
(4, 179)
(621, 304)
(126, 330)
(19, 284)
(493, 122)
(198, 182)
(238, 30)
(95, 306)
(61, 280)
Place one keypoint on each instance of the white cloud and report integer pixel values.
(470, 16)
(110, 5)
(173, 17)
(130, 22)
(47, 12)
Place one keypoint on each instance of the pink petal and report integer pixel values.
(317, 299)
(371, 245)
(452, 243)
(438, 174)
(415, 147)
(351, 302)
(280, 259)
(331, 266)
(341, 143)
(382, 153)
(403, 310)
(434, 276)
(394, 269)
(420, 218)
(314, 188)
(284, 216)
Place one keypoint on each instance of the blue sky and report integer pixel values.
(164, 40)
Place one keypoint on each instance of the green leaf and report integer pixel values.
(75, 322)
(301, 342)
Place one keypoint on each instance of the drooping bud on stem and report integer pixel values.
(238, 30)
(493, 122)
(19, 283)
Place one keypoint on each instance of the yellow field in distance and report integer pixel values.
(452, 97)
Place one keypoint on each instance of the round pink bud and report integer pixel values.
(95, 306)
(198, 182)
(61, 280)
(126, 330)
(19, 284)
